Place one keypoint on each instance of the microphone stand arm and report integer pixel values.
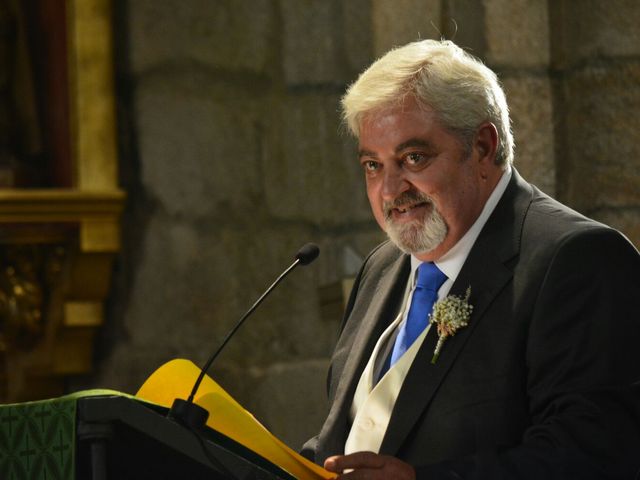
(186, 411)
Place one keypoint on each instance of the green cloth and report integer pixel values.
(37, 439)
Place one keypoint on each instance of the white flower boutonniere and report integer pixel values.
(450, 314)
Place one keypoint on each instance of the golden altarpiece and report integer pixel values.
(59, 213)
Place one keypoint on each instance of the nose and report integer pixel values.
(393, 183)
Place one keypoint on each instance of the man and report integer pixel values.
(538, 381)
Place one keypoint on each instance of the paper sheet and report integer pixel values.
(175, 380)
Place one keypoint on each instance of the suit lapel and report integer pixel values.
(485, 272)
(377, 311)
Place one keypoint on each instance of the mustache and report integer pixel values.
(408, 197)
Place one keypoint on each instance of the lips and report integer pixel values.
(408, 213)
(406, 208)
(409, 206)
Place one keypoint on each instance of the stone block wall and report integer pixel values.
(233, 156)
(595, 53)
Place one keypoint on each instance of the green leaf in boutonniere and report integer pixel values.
(450, 314)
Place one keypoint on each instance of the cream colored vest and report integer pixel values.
(372, 404)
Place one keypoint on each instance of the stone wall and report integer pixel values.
(595, 51)
(233, 156)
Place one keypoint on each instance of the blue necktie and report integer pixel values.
(429, 281)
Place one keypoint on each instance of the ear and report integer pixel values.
(485, 144)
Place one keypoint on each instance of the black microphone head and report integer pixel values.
(308, 253)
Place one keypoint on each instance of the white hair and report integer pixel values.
(461, 90)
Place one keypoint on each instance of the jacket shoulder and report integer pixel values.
(382, 256)
(550, 222)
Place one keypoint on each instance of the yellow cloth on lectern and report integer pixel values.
(175, 380)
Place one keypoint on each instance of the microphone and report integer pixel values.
(193, 415)
(307, 254)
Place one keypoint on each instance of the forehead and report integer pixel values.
(390, 127)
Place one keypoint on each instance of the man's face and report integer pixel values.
(424, 189)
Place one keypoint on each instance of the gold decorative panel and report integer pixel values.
(57, 245)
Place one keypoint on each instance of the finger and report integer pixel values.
(331, 464)
(357, 460)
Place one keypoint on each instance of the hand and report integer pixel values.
(369, 466)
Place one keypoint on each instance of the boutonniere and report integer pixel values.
(450, 314)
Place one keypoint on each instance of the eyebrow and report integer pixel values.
(414, 142)
(411, 143)
(366, 153)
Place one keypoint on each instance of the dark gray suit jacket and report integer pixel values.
(540, 384)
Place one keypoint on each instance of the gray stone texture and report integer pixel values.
(517, 33)
(338, 250)
(195, 283)
(358, 35)
(402, 21)
(595, 54)
(530, 104)
(595, 28)
(603, 143)
(596, 68)
(463, 21)
(291, 390)
(221, 34)
(318, 47)
(306, 142)
(194, 133)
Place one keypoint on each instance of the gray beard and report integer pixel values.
(416, 237)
